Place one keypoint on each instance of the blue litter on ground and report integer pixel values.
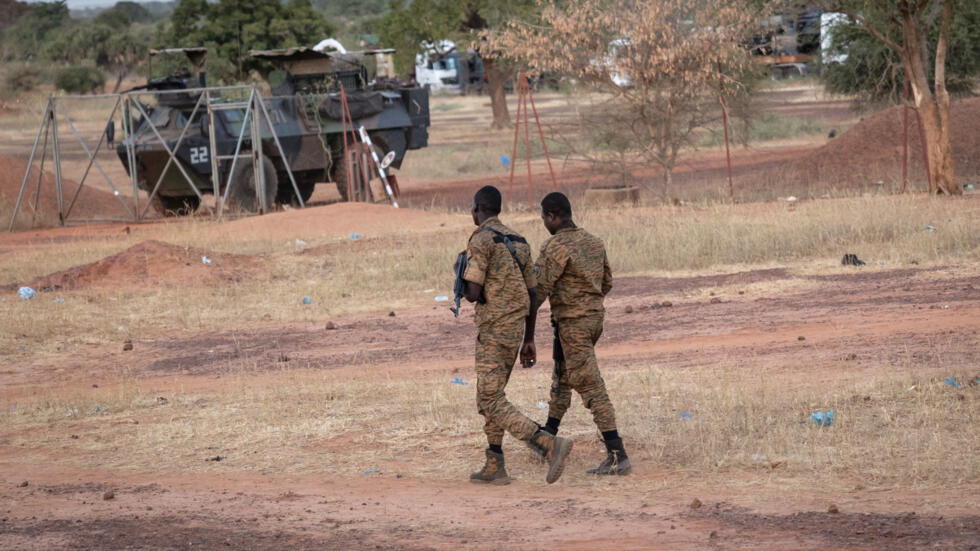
(26, 293)
(951, 381)
(205, 260)
(969, 187)
(58, 300)
(355, 236)
(930, 228)
(458, 381)
(100, 408)
(686, 415)
(822, 419)
(504, 160)
(307, 300)
(374, 470)
(442, 298)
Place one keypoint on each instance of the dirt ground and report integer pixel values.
(805, 328)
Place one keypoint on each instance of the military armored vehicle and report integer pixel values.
(305, 112)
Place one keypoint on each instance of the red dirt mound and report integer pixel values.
(872, 150)
(91, 202)
(341, 220)
(152, 263)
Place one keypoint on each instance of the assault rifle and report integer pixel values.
(459, 288)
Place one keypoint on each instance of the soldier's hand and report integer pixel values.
(529, 355)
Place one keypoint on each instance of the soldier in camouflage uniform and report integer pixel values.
(500, 279)
(573, 273)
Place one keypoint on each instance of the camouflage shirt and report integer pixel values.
(574, 273)
(490, 264)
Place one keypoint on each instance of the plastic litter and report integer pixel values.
(58, 300)
(355, 236)
(951, 381)
(458, 381)
(542, 405)
(307, 300)
(504, 160)
(442, 298)
(686, 415)
(822, 419)
(100, 408)
(930, 228)
(371, 471)
(205, 260)
(969, 187)
(26, 293)
(300, 243)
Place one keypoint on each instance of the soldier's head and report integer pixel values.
(556, 211)
(486, 204)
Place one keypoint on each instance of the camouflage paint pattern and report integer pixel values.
(491, 265)
(576, 369)
(573, 273)
(497, 346)
(500, 323)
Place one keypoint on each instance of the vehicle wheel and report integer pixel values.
(362, 191)
(241, 196)
(176, 206)
(306, 185)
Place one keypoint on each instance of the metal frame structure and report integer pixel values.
(256, 114)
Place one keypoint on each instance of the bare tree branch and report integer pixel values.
(873, 31)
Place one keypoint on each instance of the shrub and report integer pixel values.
(79, 79)
(20, 77)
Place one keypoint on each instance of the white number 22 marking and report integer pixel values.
(199, 155)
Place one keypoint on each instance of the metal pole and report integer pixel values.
(215, 177)
(258, 172)
(130, 134)
(42, 128)
(40, 177)
(527, 141)
(513, 157)
(905, 138)
(172, 158)
(554, 182)
(57, 161)
(91, 161)
(234, 158)
(285, 161)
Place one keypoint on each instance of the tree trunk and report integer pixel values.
(497, 75)
(933, 108)
(668, 178)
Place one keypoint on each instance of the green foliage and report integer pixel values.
(10, 12)
(79, 79)
(23, 39)
(409, 24)
(230, 28)
(19, 77)
(874, 73)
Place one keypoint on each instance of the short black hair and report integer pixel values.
(556, 203)
(488, 199)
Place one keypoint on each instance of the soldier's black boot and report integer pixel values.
(493, 471)
(616, 461)
(556, 451)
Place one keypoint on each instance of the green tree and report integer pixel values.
(409, 24)
(904, 27)
(230, 28)
(27, 36)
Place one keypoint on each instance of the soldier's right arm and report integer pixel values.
(477, 261)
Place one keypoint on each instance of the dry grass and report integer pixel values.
(883, 434)
(393, 272)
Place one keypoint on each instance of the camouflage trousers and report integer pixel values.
(497, 347)
(576, 369)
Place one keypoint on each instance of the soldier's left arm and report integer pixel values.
(606, 275)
